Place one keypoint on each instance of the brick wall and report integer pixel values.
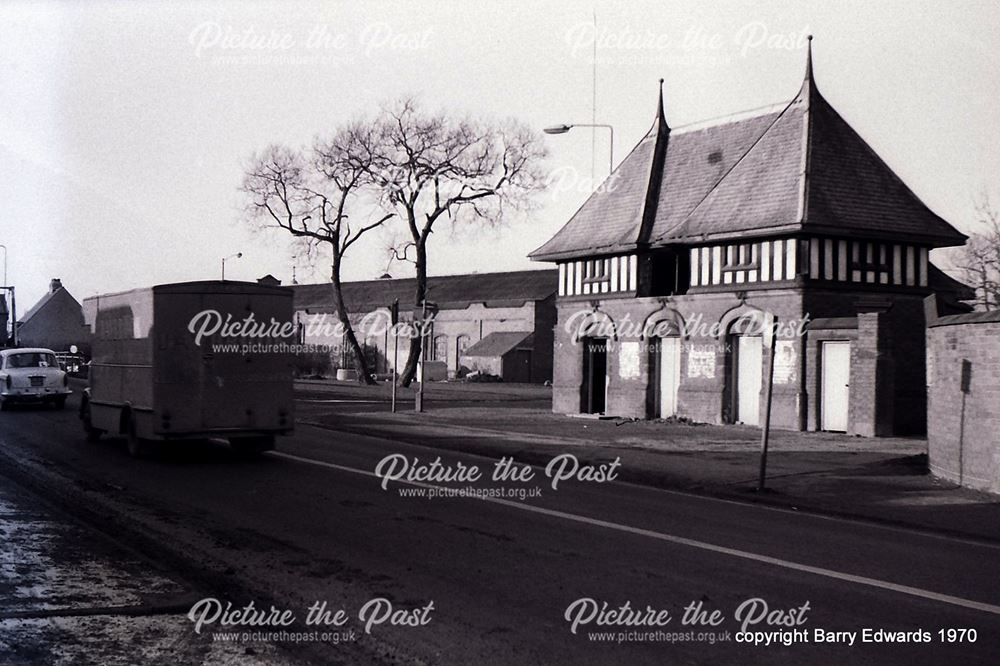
(702, 394)
(963, 429)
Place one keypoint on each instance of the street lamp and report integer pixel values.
(232, 256)
(562, 129)
(13, 324)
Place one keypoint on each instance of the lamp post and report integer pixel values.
(232, 256)
(13, 313)
(562, 129)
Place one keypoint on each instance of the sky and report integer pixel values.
(125, 126)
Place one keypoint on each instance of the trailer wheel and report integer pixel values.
(137, 447)
(252, 447)
(93, 434)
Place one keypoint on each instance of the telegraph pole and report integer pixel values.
(765, 433)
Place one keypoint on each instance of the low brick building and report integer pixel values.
(672, 274)
(963, 395)
(471, 308)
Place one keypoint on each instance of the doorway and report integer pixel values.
(666, 358)
(835, 373)
(595, 376)
(748, 380)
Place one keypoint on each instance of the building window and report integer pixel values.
(595, 270)
(742, 257)
(869, 262)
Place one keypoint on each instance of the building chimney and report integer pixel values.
(55, 285)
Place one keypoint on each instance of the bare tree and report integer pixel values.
(427, 167)
(308, 196)
(979, 260)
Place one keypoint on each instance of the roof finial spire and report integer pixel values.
(661, 117)
(809, 58)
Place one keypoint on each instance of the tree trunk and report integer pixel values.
(413, 357)
(360, 361)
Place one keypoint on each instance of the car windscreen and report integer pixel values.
(32, 360)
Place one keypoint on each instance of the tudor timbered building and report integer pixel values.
(671, 278)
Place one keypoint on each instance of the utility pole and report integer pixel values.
(765, 433)
(394, 320)
(419, 405)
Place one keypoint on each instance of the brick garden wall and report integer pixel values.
(963, 429)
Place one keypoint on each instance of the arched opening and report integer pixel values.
(593, 332)
(594, 388)
(664, 343)
(744, 370)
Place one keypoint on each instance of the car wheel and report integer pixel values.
(137, 447)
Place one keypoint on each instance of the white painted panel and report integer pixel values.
(614, 273)
(779, 260)
(578, 277)
(765, 261)
(828, 258)
(670, 375)
(749, 358)
(694, 255)
(562, 279)
(911, 273)
(705, 265)
(633, 264)
(790, 263)
(842, 261)
(897, 265)
(814, 258)
(923, 267)
(835, 391)
(716, 265)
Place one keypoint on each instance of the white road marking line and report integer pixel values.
(806, 513)
(693, 543)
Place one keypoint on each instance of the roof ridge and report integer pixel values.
(729, 118)
(657, 166)
(723, 177)
(807, 91)
(882, 164)
(536, 254)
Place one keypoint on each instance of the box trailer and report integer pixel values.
(193, 360)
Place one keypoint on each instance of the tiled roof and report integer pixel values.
(499, 343)
(796, 168)
(448, 291)
(942, 283)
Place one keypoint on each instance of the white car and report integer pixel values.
(32, 375)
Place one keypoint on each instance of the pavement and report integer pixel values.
(70, 594)
(878, 479)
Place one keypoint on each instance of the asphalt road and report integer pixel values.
(312, 523)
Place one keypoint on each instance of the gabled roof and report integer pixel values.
(499, 343)
(794, 168)
(43, 301)
(511, 289)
